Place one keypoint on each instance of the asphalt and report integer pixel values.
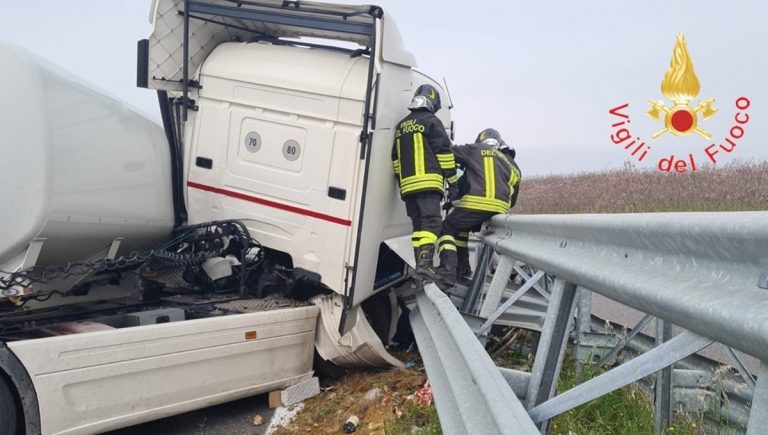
(233, 418)
(621, 314)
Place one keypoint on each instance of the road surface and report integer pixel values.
(229, 418)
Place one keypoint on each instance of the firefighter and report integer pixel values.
(489, 186)
(423, 162)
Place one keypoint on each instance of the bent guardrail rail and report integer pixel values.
(704, 272)
(471, 395)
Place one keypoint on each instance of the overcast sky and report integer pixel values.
(544, 73)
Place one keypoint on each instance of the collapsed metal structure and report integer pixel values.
(702, 272)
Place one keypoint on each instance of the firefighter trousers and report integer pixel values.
(424, 210)
(454, 235)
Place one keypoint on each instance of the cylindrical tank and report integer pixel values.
(79, 168)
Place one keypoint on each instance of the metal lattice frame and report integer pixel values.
(700, 271)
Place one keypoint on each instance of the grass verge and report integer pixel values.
(623, 411)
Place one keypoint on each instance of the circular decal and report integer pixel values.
(291, 150)
(252, 141)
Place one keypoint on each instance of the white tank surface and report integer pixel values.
(79, 168)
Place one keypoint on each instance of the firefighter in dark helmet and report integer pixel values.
(423, 162)
(489, 186)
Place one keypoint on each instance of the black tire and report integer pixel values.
(378, 311)
(326, 369)
(9, 417)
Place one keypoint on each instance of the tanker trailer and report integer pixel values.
(81, 171)
(106, 311)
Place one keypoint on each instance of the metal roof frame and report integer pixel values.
(290, 16)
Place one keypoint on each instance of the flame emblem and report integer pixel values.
(681, 85)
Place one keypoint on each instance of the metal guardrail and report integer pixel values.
(697, 270)
(471, 395)
(704, 272)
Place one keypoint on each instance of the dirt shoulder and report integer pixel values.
(387, 402)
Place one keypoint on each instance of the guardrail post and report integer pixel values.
(583, 327)
(552, 344)
(478, 279)
(663, 388)
(497, 287)
(758, 415)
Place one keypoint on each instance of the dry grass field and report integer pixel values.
(732, 187)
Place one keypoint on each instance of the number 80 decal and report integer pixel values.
(291, 150)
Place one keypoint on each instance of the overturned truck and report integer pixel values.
(146, 272)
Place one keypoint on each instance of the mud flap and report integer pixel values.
(359, 347)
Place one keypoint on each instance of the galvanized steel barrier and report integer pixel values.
(471, 395)
(704, 272)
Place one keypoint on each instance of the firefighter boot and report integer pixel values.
(446, 273)
(424, 262)
(463, 269)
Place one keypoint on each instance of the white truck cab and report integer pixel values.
(293, 137)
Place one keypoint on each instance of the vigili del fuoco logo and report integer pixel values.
(680, 116)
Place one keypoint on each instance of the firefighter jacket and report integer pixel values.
(491, 178)
(421, 155)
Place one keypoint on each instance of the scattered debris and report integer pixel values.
(258, 420)
(373, 394)
(351, 424)
(508, 339)
(294, 394)
(283, 417)
(422, 397)
(378, 398)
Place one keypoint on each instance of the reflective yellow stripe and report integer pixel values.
(448, 247)
(448, 242)
(424, 177)
(419, 182)
(483, 204)
(422, 238)
(490, 178)
(446, 160)
(424, 235)
(453, 179)
(514, 177)
(461, 244)
(420, 187)
(418, 154)
(428, 183)
(446, 238)
(422, 242)
(490, 202)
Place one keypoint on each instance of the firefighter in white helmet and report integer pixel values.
(423, 161)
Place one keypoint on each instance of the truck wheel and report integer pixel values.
(8, 411)
(326, 369)
(378, 311)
